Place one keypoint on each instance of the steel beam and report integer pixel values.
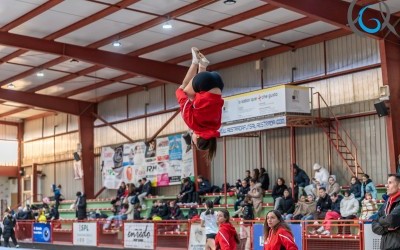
(390, 59)
(14, 111)
(164, 125)
(165, 71)
(64, 105)
(86, 135)
(9, 171)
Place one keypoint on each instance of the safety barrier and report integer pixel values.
(184, 234)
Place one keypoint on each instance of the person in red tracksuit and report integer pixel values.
(227, 237)
(277, 234)
(200, 101)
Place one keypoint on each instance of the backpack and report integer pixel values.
(215, 189)
(134, 200)
(192, 212)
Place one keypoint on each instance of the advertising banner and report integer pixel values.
(139, 235)
(41, 232)
(251, 126)
(197, 239)
(85, 234)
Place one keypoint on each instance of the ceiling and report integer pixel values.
(36, 37)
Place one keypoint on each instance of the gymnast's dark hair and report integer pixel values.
(210, 145)
(210, 206)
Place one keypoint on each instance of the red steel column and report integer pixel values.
(390, 57)
(20, 136)
(292, 155)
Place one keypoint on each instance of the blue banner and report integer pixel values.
(41, 233)
(175, 147)
(258, 236)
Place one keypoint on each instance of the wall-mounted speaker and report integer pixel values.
(381, 109)
(76, 156)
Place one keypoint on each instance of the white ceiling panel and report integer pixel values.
(7, 70)
(255, 46)
(177, 28)
(250, 26)
(106, 73)
(279, 16)
(289, 36)
(129, 17)
(218, 36)
(224, 55)
(5, 108)
(101, 91)
(198, 16)
(160, 7)
(109, 1)
(317, 28)
(28, 113)
(66, 13)
(33, 80)
(4, 50)
(177, 50)
(19, 8)
(72, 66)
(233, 9)
(139, 80)
(76, 83)
(33, 58)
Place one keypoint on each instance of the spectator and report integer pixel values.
(255, 174)
(355, 187)
(80, 206)
(320, 179)
(368, 207)
(368, 186)
(264, 179)
(286, 205)
(246, 213)
(238, 185)
(333, 186)
(277, 233)
(226, 238)
(163, 211)
(9, 223)
(153, 210)
(204, 187)
(136, 212)
(349, 206)
(324, 204)
(186, 193)
(241, 194)
(388, 222)
(121, 216)
(305, 208)
(52, 214)
(332, 214)
(300, 178)
(139, 188)
(209, 221)
(21, 214)
(256, 195)
(248, 176)
(277, 190)
(175, 212)
(146, 190)
(121, 191)
(42, 217)
(57, 198)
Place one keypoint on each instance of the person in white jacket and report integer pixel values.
(349, 206)
(320, 179)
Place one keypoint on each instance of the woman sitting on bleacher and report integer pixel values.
(117, 218)
(368, 207)
(355, 187)
(175, 213)
(333, 186)
(305, 208)
(349, 206)
(279, 187)
(368, 187)
(187, 189)
(286, 205)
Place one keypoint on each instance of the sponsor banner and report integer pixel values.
(251, 126)
(372, 241)
(197, 239)
(139, 235)
(163, 161)
(41, 232)
(85, 234)
(266, 102)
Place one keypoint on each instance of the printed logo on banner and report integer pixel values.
(41, 233)
(252, 126)
(175, 147)
(85, 234)
(197, 239)
(139, 235)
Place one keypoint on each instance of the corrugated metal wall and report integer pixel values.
(8, 132)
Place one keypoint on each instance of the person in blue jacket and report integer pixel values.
(57, 197)
(368, 186)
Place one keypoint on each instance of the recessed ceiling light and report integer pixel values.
(167, 25)
(117, 44)
(11, 86)
(40, 74)
(229, 2)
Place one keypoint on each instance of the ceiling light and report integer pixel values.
(11, 86)
(229, 2)
(167, 25)
(73, 60)
(117, 44)
(40, 74)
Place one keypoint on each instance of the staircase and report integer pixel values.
(338, 137)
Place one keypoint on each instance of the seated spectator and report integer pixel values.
(139, 188)
(349, 206)
(248, 176)
(117, 218)
(187, 189)
(256, 195)
(53, 215)
(146, 190)
(241, 194)
(301, 178)
(320, 179)
(204, 187)
(246, 212)
(255, 174)
(136, 212)
(332, 214)
(305, 208)
(238, 185)
(277, 190)
(324, 204)
(355, 187)
(264, 179)
(175, 212)
(121, 190)
(368, 186)
(333, 186)
(153, 211)
(163, 210)
(368, 207)
(21, 214)
(285, 205)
